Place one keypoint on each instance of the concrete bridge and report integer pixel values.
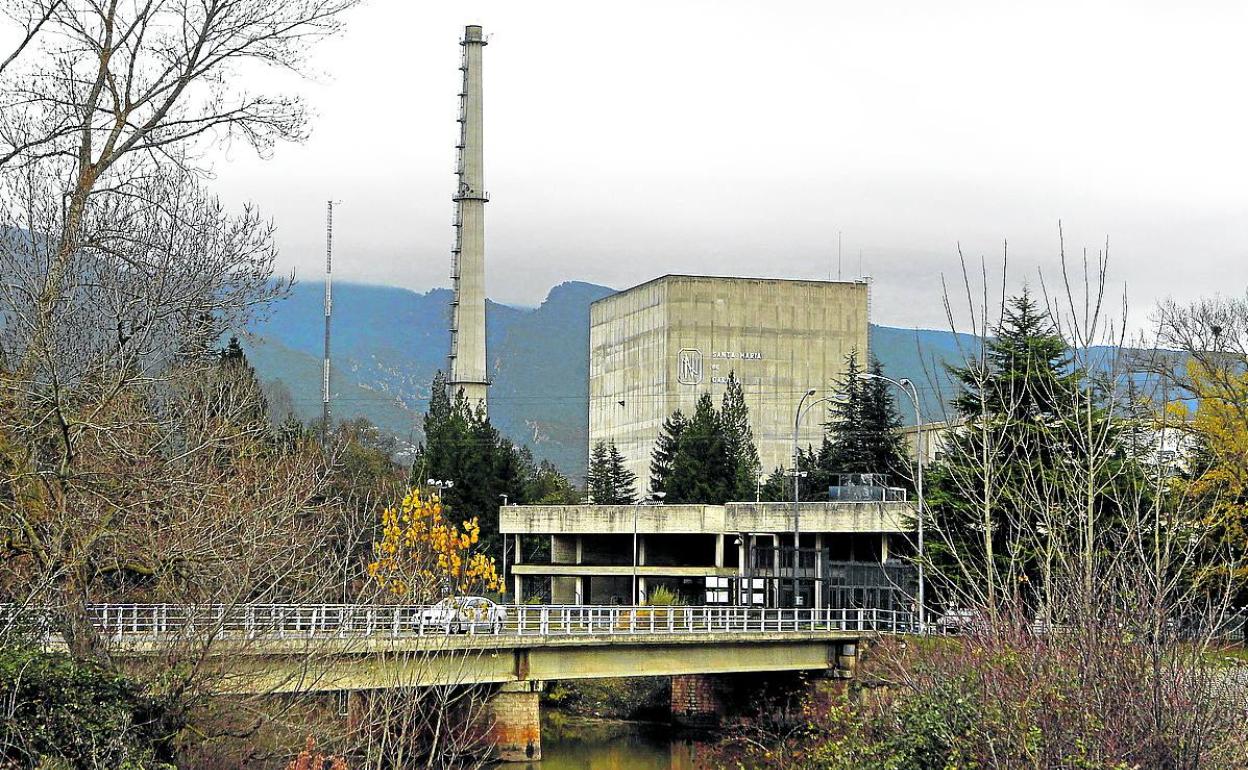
(354, 649)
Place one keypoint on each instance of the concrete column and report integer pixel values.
(883, 547)
(518, 596)
(641, 562)
(357, 711)
(563, 550)
(719, 550)
(580, 589)
(696, 700)
(819, 570)
(514, 719)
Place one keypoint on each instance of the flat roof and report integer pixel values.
(676, 519)
(671, 276)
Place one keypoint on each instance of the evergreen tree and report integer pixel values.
(1016, 404)
(232, 391)
(845, 448)
(665, 448)
(863, 432)
(778, 487)
(701, 470)
(461, 446)
(623, 480)
(743, 461)
(608, 481)
(547, 486)
(882, 443)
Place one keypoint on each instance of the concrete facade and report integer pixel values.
(734, 554)
(658, 346)
(467, 354)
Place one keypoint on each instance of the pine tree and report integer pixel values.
(623, 480)
(882, 444)
(743, 462)
(547, 486)
(845, 450)
(701, 472)
(664, 453)
(778, 487)
(236, 393)
(1014, 403)
(608, 481)
(863, 431)
(463, 447)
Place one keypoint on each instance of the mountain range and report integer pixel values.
(388, 343)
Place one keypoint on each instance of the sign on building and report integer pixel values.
(689, 367)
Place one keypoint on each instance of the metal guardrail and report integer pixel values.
(142, 622)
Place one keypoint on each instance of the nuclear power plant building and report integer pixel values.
(659, 346)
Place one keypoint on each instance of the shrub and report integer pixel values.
(66, 713)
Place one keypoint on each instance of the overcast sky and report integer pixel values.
(628, 140)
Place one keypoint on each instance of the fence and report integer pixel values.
(134, 622)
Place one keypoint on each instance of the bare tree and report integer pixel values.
(1076, 549)
(111, 91)
(120, 272)
(430, 713)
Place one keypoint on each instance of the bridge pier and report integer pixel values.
(697, 700)
(514, 718)
(847, 660)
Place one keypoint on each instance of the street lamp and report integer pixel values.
(907, 387)
(802, 409)
(651, 498)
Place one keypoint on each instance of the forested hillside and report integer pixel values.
(388, 342)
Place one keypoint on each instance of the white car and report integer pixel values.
(961, 620)
(464, 614)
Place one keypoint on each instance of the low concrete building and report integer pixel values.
(734, 554)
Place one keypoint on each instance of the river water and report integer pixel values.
(608, 745)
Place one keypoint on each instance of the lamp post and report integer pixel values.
(907, 387)
(650, 498)
(802, 409)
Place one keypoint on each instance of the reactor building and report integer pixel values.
(659, 346)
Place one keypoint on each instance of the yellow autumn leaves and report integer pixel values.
(422, 556)
(1221, 423)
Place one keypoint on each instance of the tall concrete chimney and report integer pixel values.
(467, 358)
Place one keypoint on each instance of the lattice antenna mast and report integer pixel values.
(329, 310)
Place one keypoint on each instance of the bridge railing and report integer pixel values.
(583, 620)
(135, 622)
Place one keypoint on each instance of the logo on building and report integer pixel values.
(689, 367)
